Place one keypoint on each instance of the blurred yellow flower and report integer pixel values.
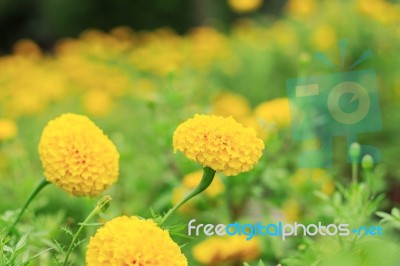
(133, 241)
(218, 142)
(301, 8)
(27, 48)
(324, 37)
(230, 104)
(8, 129)
(206, 46)
(77, 156)
(218, 250)
(244, 6)
(291, 210)
(319, 178)
(380, 10)
(274, 113)
(97, 102)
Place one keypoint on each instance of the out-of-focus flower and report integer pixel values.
(231, 104)
(318, 178)
(230, 249)
(218, 142)
(132, 241)
(97, 102)
(301, 8)
(324, 37)
(291, 210)
(285, 35)
(244, 6)
(27, 48)
(8, 129)
(274, 113)
(380, 10)
(206, 46)
(190, 182)
(77, 156)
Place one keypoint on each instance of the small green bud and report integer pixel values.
(104, 203)
(367, 162)
(355, 151)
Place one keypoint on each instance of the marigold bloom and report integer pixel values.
(132, 241)
(230, 249)
(219, 143)
(8, 129)
(77, 156)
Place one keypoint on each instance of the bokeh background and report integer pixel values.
(139, 68)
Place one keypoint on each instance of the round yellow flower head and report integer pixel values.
(8, 129)
(77, 156)
(219, 143)
(230, 249)
(132, 241)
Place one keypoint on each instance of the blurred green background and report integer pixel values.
(45, 21)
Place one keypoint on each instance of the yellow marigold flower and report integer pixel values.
(244, 6)
(231, 104)
(77, 156)
(230, 249)
(219, 143)
(258, 125)
(8, 129)
(132, 241)
(274, 113)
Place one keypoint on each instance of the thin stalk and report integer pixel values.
(354, 172)
(36, 191)
(102, 205)
(208, 176)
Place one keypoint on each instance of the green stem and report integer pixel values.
(354, 172)
(208, 176)
(38, 188)
(102, 205)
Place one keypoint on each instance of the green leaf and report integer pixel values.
(396, 212)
